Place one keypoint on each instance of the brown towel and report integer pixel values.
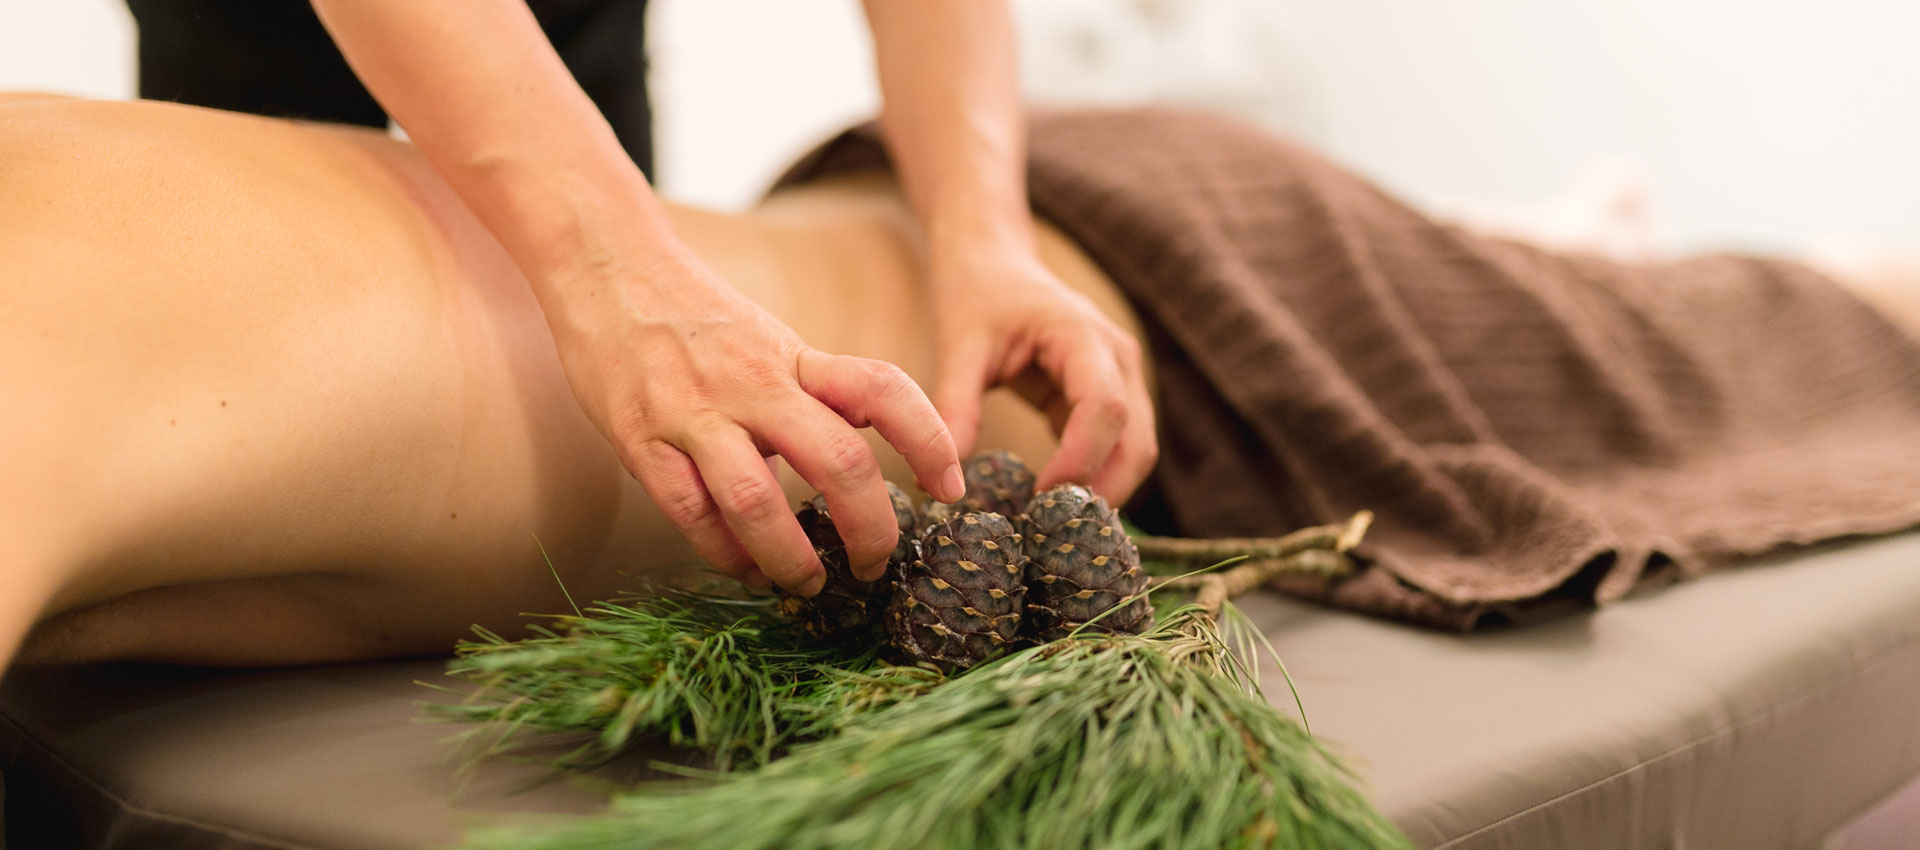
(1533, 431)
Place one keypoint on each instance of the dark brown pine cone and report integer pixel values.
(958, 605)
(997, 482)
(1080, 564)
(908, 518)
(846, 609)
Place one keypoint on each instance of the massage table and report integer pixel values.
(1759, 708)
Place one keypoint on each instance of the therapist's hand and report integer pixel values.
(695, 386)
(1004, 319)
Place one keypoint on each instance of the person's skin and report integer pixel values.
(694, 384)
(276, 396)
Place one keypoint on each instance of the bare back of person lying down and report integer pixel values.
(273, 396)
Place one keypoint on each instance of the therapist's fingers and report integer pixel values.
(874, 393)
(1098, 407)
(749, 497)
(676, 488)
(1138, 448)
(836, 460)
(964, 376)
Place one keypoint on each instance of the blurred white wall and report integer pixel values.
(742, 87)
(1760, 122)
(82, 47)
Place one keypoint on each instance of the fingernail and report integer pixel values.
(813, 585)
(954, 483)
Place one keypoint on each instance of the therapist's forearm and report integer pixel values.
(953, 120)
(483, 95)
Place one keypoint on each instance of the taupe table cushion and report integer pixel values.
(1758, 708)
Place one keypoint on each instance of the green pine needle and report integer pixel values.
(555, 571)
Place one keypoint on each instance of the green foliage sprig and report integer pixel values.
(726, 677)
(1155, 740)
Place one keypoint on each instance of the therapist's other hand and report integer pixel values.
(696, 386)
(1004, 319)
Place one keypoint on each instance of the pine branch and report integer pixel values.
(1094, 741)
(1320, 551)
(1214, 589)
(1338, 537)
(1155, 740)
(729, 679)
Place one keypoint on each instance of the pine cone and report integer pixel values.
(846, 609)
(997, 482)
(908, 518)
(958, 605)
(1080, 564)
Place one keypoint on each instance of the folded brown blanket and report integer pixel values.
(1532, 431)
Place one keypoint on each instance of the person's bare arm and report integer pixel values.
(690, 382)
(956, 131)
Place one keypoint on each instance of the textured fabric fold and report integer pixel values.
(1535, 432)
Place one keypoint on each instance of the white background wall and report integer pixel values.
(1760, 122)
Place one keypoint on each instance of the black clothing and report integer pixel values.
(272, 57)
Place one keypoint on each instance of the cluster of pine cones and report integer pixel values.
(1000, 568)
